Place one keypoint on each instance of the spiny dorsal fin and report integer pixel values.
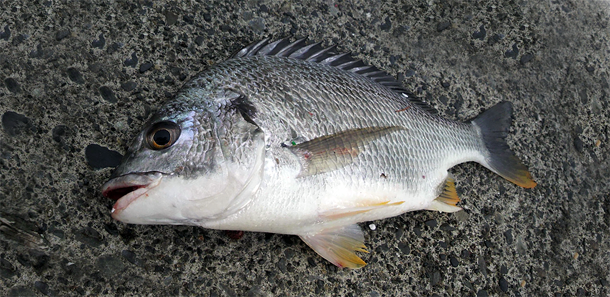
(328, 56)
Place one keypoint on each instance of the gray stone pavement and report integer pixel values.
(78, 78)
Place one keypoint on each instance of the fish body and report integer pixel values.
(297, 139)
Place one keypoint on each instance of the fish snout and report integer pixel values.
(127, 188)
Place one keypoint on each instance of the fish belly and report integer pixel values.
(389, 178)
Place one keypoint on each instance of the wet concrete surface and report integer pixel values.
(78, 79)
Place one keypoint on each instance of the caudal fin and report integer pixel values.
(494, 124)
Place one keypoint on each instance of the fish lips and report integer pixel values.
(128, 187)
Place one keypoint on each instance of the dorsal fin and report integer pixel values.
(329, 56)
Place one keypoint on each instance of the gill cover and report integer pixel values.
(236, 185)
(240, 156)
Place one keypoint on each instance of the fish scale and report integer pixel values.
(430, 156)
(298, 139)
(381, 111)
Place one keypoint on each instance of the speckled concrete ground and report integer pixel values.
(80, 77)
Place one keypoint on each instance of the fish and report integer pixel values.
(291, 137)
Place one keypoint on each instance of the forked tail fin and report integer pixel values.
(494, 124)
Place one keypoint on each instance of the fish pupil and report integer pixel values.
(162, 137)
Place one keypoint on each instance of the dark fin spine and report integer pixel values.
(328, 56)
(291, 48)
(275, 47)
(251, 49)
(306, 51)
(337, 60)
(323, 54)
(351, 65)
(494, 125)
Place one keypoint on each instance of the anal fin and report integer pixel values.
(338, 245)
(448, 199)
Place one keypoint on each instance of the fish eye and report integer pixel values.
(162, 135)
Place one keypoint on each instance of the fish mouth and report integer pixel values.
(127, 188)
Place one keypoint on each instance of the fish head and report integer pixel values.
(189, 165)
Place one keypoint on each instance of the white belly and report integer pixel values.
(289, 204)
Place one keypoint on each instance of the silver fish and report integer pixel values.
(294, 138)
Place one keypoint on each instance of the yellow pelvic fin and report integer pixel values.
(338, 245)
(448, 199)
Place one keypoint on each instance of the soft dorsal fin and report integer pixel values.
(314, 52)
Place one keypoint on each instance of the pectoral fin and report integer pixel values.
(328, 153)
(338, 245)
(342, 212)
(448, 199)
